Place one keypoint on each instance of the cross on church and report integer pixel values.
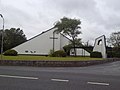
(53, 40)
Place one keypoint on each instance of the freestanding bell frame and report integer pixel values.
(100, 45)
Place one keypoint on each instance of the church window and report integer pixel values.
(26, 51)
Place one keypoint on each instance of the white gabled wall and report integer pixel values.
(80, 52)
(42, 44)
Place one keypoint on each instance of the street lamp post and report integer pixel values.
(2, 36)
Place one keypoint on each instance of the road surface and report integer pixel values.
(98, 77)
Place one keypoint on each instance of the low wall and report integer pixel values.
(54, 63)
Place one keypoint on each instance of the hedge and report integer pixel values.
(95, 54)
(10, 53)
(59, 53)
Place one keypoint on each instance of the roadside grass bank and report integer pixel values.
(43, 61)
(23, 57)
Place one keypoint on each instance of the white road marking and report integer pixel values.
(97, 83)
(60, 80)
(9, 76)
(59, 68)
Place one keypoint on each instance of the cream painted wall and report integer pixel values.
(80, 52)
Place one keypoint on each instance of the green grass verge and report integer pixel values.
(20, 57)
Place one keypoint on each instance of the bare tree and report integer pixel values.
(114, 39)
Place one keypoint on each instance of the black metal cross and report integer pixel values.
(53, 40)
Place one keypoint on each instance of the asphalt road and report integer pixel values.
(98, 77)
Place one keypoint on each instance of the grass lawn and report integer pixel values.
(21, 57)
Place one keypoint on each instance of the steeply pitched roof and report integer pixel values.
(39, 34)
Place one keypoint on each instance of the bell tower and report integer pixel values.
(100, 45)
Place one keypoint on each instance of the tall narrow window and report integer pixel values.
(99, 42)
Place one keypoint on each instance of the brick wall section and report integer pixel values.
(54, 63)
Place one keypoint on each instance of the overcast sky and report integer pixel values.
(98, 17)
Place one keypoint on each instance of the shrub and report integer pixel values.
(96, 54)
(117, 55)
(116, 51)
(110, 54)
(51, 53)
(10, 53)
(59, 53)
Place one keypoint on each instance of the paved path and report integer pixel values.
(98, 77)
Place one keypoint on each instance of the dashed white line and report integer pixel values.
(60, 80)
(97, 83)
(22, 77)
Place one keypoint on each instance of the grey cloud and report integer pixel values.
(112, 22)
(75, 4)
(113, 4)
(14, 15)
(111, 14)
(82, 8)
(34, 16)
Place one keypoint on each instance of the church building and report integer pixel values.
(43, 43)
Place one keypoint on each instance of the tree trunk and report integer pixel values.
(74, 47)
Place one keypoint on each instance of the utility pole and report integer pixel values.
(2, 36)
